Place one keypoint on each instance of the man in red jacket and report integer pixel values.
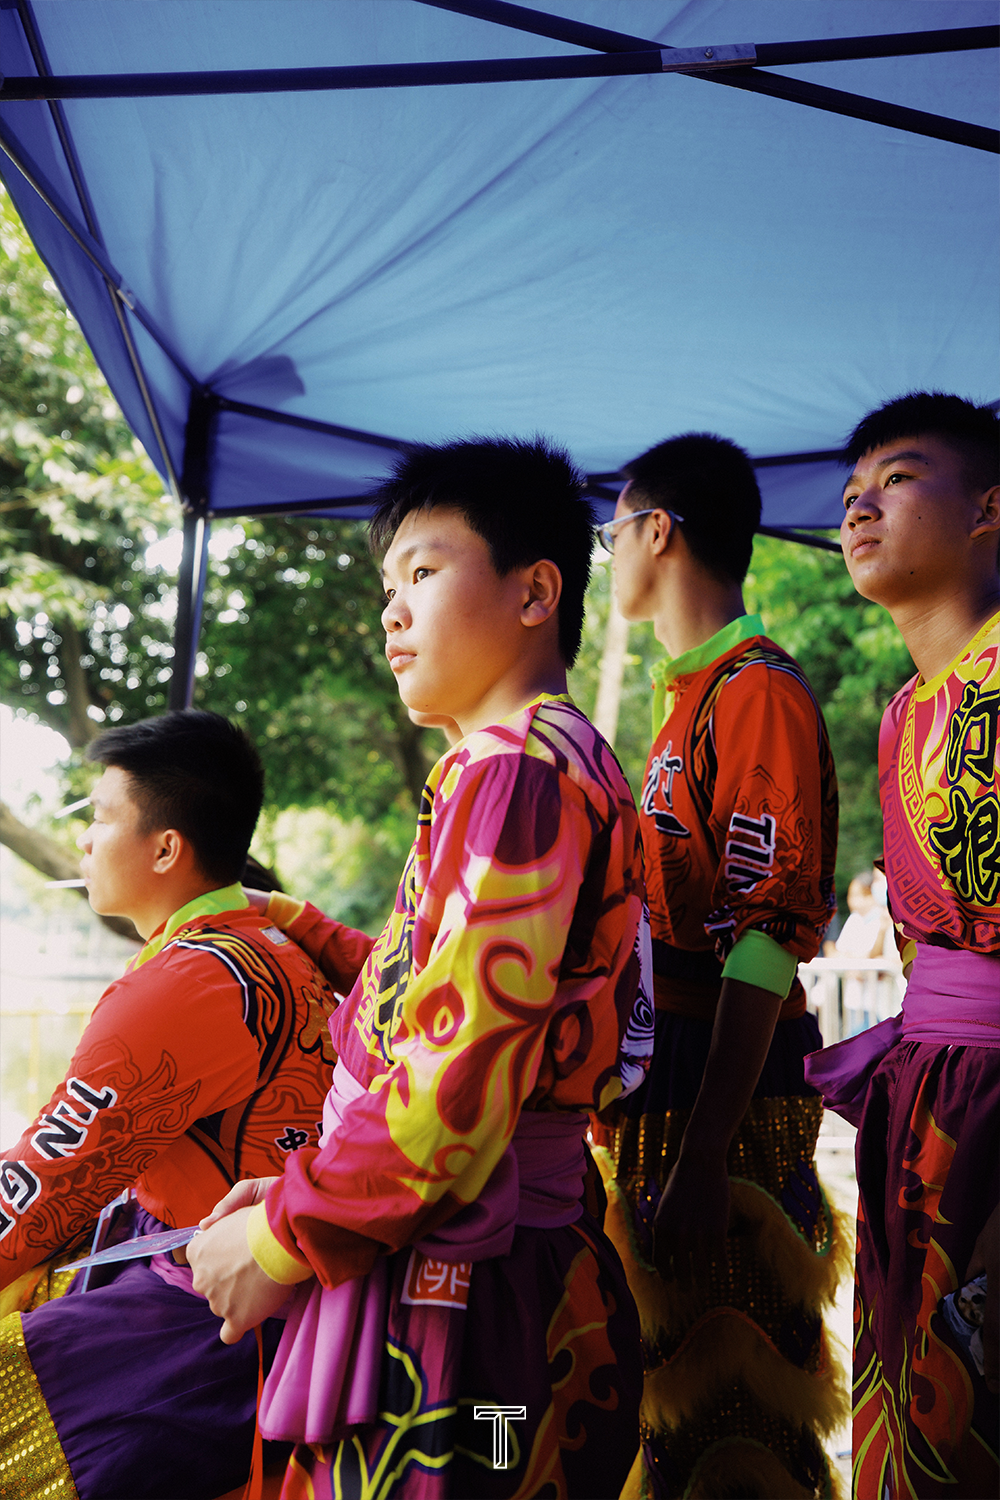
(714, 1154)
(207, 1062)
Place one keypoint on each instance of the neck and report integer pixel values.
(515, 691)
(937, 630)
(694, 607)
(162, 908)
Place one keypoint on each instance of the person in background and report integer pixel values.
(863, 934)
(715, 1205)
(920, 537)
(462, 1326)
(207, 1062)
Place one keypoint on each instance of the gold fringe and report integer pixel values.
(739, 1467)
(807, 1277)
(661, 1304)
(726, 1347)
(636, 1486)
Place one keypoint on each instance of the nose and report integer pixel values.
(85, 839)
(393, 615)
(863, 507)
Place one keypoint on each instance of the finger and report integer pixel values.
(239, 1196)
(231, 1333)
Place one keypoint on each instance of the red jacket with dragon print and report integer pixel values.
(207, 1062)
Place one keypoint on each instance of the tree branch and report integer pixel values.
(51, 859)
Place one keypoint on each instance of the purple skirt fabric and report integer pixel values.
(928, 1155)
(146, 1400)
(550, 1331)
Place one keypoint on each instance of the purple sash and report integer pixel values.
(325, 1375)
(952, 998)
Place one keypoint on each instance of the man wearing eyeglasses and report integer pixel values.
(714, 1155)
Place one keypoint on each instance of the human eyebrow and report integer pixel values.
(404, 558)
(906, 455)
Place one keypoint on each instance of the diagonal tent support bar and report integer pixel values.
(91, 247)
(789, 534)
(774, 54)
(771, 54)
(857, 107)
(723, 64)
(312, 424)
(117, 291)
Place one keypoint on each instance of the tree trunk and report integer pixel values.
(82, 727)
(413, 760)
(51, 859)
(612, 670)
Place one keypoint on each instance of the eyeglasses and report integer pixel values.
(606, 533)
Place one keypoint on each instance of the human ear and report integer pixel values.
(170, 847)
(661, 526)
(543, 590)
(987, 512)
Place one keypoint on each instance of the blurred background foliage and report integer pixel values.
(291, 645)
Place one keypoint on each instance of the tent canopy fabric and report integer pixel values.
(309, 278)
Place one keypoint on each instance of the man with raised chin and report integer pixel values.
(920, 536)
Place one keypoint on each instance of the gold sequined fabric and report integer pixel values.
(688, 1349)
(32, 1463)
(775, 1135)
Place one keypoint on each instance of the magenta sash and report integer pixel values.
(325, 1375)
(952, 998)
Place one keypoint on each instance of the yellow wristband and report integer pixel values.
(284, 910)
(272, 1257)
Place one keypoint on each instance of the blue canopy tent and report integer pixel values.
(300, 234)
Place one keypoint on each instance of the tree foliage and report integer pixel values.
(855, 660)
(293, 648)
(291, 645)
(79, 505)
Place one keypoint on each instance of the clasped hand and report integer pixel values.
(225, 1272)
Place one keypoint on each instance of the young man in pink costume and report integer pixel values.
(920, 535)
(461, 1326)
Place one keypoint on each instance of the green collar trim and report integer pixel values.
(209, 904)
(669, 668)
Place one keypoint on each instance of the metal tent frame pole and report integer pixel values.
(190, 597)
(736, 65)
(198, 433)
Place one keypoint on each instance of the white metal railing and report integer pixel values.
(848, 995)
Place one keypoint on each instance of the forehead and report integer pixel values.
(623, 508)
(439, 528)
(923, 449)
(113, 791)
